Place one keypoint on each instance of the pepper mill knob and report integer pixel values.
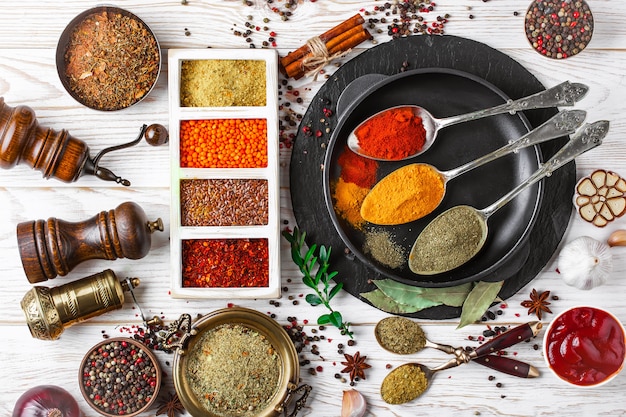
(53, 247)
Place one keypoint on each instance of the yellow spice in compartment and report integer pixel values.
(222, 83)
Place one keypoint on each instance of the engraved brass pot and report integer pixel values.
(288, 387)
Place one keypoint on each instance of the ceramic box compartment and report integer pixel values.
(243, 193)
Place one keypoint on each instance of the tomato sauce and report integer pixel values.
(585, 346)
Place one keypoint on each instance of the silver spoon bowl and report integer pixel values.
(564, 94)
(587, 138)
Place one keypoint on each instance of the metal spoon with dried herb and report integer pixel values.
(403, 336)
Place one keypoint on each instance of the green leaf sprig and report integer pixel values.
(314, 266)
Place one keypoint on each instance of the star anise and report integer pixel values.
(170, 406)
(355, 366)
(538, 303)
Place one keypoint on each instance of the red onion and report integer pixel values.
(46, 401)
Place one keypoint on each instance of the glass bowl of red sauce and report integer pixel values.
(585, 346)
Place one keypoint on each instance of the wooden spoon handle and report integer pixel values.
(508, 338)
(508, 366)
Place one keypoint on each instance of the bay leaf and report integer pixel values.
(478, 301)
(387, 304)
(420, 296)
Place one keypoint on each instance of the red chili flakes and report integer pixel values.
(210, 263)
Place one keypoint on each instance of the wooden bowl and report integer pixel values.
(136, 373)
(105, 75)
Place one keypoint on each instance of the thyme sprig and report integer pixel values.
(314, 267)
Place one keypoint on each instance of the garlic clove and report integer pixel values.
(617, 238)
(353, 404)
(585, 263)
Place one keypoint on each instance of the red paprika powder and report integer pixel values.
(357, 169)
(225, 263)
(393, 134)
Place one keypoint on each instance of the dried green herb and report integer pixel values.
(314, 267)
(396, 297)
(478, 301)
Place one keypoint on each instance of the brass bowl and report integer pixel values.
(155, 380)
(101, 73)
(287, 386)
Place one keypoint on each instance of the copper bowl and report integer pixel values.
(107, 75)
(154, 380)
(255, 321)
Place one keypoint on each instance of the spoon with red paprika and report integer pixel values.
(419, 128)
(391, 202)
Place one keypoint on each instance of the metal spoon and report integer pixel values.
(563, 123)
(458, 234)
(564, 94)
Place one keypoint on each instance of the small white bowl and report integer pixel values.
(579, 327)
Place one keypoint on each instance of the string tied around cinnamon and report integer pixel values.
(320, 57)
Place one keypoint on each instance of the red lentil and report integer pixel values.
(225, 263)
(223, 143)
(224, 202)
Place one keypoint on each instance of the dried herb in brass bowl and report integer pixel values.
(237, 362)
(108, 59)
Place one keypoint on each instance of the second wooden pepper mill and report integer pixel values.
(53, 247)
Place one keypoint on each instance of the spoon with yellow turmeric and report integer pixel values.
(392, 202)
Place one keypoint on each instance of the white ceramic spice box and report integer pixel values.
(255, 73)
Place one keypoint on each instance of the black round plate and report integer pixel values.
(446, 92)
(498, 69)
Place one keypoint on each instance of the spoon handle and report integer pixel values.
(561, 124)
(507, 339)
(508, 366)
(564, 94)
(588, 137)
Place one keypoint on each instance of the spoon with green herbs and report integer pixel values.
(392, 202)
(459, 233)
(564, 94)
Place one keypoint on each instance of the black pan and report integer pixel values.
(447, 92)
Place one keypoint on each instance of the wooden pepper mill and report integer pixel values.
(54, 247)
(57, 154)
(49, 311)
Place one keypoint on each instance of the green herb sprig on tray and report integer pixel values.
(314, 266)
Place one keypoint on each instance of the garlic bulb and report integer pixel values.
(585, 263)
(353, 404)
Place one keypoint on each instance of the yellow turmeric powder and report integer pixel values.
(408, 193)
(348, 198)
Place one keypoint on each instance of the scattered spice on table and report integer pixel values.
(355, 365)
(119, 377)
(225, 263)
(112, 60)
(538, 303)
(400, 335)
(224, 202)
(559, 29)
(233, 370)
(393, 134)
(403, 384)
(404, 18)
(348, 198)
(406, 194)
(222, 83)
(447, 242)
(357, 169)
(380, 245)
(223, 143)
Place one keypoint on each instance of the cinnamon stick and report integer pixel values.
(297, 69)
(299, 53)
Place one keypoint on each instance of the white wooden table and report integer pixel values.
(29, 30)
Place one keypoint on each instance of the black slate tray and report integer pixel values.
(308, 154)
